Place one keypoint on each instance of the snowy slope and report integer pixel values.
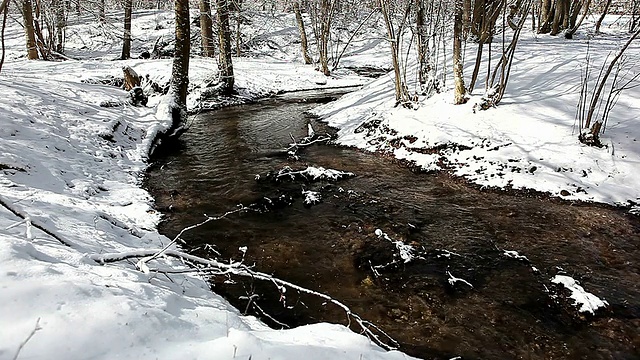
(529, 141)
(73, 168)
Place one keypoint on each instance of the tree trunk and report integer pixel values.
(206, 29)
(303, 34)
(4, 10)
(237, 9)
(459, 91)
(61, 23)
(225, 63)
(180, 71)
(466, 18)
(422, 43)
(126, 43)
(101, 11)
(546, 14)
(604, 13)
(325, 27)
(27, 15)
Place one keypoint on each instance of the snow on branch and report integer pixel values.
(29, 221)
(214, 267)
(313, 173)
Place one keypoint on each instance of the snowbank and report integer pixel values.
(530, 141)
(73, 168)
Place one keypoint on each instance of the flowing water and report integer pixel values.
(508, 309)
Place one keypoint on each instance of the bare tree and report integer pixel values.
(101, 11)
(592, 137)
(605, 10)
(180, 71)
(126, 40)
(459, 96)
(225, 63)
(322, 12)
(394, 34)
(27, 16)
(304, 47)
(206, 29)
(60, 24)
(4, 10)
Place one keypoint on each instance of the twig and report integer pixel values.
(36, 223)
(33, 332)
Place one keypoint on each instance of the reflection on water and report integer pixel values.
(512, 310)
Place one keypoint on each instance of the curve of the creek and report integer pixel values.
(506, 307)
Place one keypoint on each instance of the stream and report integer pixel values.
(346, 245)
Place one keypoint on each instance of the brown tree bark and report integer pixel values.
(604, 13)
(304, 47)
(458, 76)
(126, 43)
(180, 70)
(4, 10)
(27, 15)
(206, 29)
(225, 62)
(101, 11)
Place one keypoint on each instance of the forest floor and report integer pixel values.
(74, 168)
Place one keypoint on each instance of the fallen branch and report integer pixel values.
(214, 267)
(22, 344)
(35, 223)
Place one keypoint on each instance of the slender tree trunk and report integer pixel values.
(61, 23)
(4, 10)
(225, 63)
(325, 27)
(206, 29)
(303, 34)
(180, 71)
(237, 9)
(422, 43)
(466, 18)
(476, 68)
(126, 43)
(27, 15)
(459, 90)
(101, 11)
(604, 13)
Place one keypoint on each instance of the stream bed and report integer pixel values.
(478, 282)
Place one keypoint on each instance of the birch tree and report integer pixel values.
(180, 70)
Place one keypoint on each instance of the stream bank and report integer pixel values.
(506, 247)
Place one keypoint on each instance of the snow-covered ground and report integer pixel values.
(529, 141)
(73, 168)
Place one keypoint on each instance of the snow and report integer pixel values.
(585, 301)
(74, 168)
(311, 197)
(529, 141)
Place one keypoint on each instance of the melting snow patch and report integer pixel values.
(311, 197)
(406, 251)
(587, 301)
(453, 280)
(320, 173)
(515, 255)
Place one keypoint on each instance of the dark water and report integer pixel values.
(512, 311)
